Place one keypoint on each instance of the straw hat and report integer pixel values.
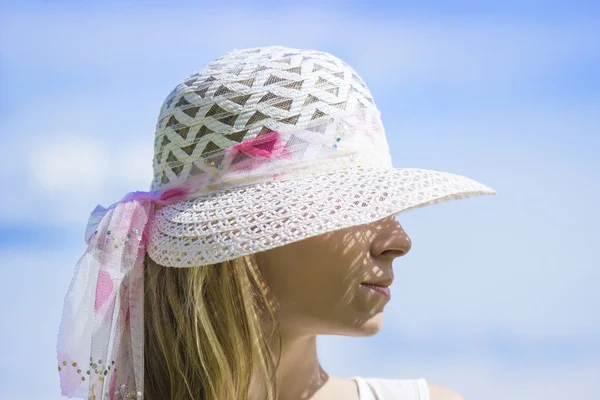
(284, 144)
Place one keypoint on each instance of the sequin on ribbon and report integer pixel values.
(97, 373)
(123, 393)
(118, 243)
(338, 127)
(96, 367)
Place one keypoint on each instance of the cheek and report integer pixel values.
(312, 280)
(318, 289)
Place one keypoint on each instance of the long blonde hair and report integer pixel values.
(207, 332)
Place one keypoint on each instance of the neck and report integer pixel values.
(299, 375)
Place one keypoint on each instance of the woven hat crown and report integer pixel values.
(249, 93)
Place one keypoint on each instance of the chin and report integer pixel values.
(366, 327)
(373, 325)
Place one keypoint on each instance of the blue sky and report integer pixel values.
(498, 297)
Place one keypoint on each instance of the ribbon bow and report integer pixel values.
(101, 335)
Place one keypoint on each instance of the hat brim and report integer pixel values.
(234, 222)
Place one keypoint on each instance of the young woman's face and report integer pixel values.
(317, 281)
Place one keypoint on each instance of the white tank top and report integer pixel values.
(391, 389)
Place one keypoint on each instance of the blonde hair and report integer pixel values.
(208, 332)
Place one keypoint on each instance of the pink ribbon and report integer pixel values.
(101, 335)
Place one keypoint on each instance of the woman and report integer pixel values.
(270, 220)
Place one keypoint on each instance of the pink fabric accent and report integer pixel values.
(173, 194)
(261, 148)
(104, 288)
(138, 196)
(112, 385)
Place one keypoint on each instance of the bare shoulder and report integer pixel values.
(439, 392)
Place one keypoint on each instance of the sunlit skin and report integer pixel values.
(317, 286)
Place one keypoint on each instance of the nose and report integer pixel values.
(391, 240)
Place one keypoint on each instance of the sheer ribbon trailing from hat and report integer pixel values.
(100, 346)
(102, 325)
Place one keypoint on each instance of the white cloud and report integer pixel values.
(69, 164)
(65, 174)
(132, 164)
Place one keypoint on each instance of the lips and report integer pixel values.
(383, 290)
(381, 282)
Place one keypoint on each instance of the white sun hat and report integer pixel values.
(286, 144)
(261, 148)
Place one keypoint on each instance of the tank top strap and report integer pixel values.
(391, 389)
